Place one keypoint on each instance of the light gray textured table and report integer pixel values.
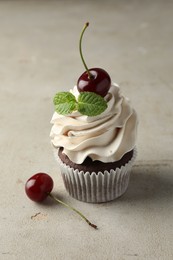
(133, 41)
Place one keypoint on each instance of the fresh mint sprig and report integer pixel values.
(88, 103)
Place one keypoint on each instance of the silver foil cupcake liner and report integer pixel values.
(96, 187)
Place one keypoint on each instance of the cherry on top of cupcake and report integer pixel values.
(93, 80)
(93, 85)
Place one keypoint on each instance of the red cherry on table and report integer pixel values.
(98, 82)
(39, 186)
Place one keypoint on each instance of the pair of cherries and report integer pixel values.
(96, 80)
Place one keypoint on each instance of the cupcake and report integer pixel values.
(94, 135)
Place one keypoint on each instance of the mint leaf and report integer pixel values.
(65, 103)
(91, 104)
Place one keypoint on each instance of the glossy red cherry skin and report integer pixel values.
(99, 83)
(39, 186)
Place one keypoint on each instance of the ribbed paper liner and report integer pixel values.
(96, 187)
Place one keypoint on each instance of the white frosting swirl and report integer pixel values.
(106, 137)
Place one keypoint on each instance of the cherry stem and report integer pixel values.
(75, 210)
(80, 50)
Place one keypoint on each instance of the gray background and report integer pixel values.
(133, 41)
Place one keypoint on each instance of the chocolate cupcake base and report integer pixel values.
(104, 184)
